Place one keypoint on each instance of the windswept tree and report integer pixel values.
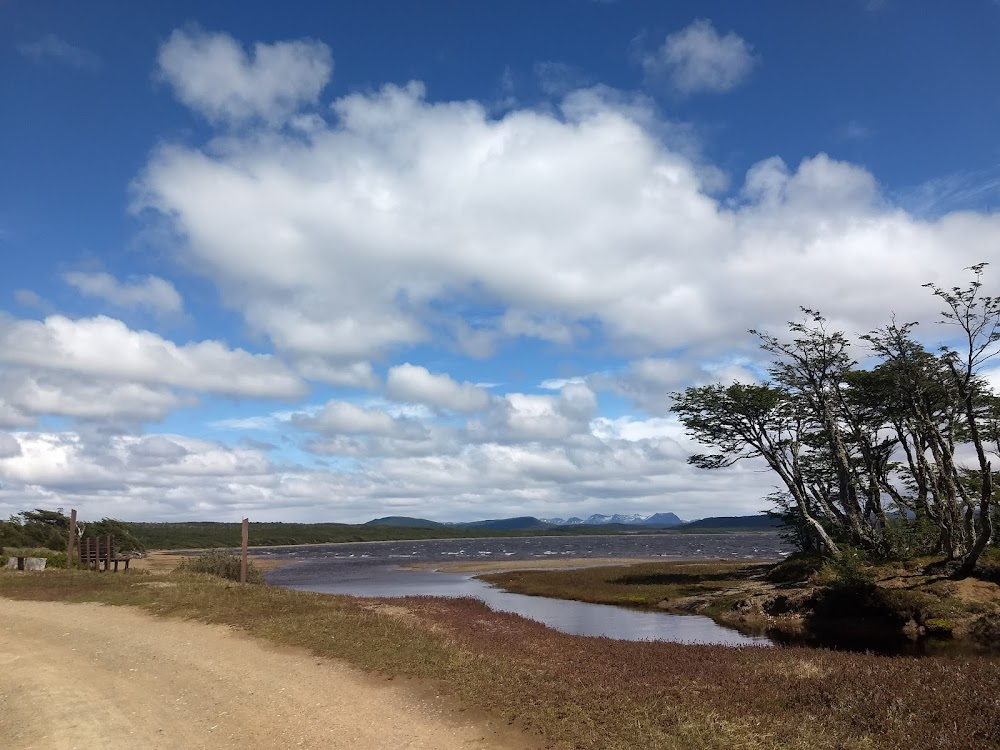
(753, 421)
(872, 458)
(976, 317)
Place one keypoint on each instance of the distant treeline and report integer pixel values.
(201, 535)
(198, 535)
(48, 528)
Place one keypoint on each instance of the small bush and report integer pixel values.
(221, 565)
(849, 572)
(798, 567)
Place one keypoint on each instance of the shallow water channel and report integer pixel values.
(372, 570)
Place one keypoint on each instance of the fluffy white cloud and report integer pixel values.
(341, 417)
(352, 375)
(88, 466)
(354, 241)
(151, 293)
(530, 418)
(38, 392)
(697, 58)
(408, 382)
(213, 75)
(106, 348)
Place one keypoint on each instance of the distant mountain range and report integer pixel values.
(616, 522)
(657, 520)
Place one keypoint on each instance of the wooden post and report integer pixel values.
(243, 556)
(70, 560)
(107, 553)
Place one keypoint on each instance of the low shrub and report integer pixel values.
(850, 572)
(222, 565)
(798, 567)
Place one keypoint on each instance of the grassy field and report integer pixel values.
(587, 693)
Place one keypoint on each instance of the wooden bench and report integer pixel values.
(100, 549)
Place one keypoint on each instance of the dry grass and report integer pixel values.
(592, 693)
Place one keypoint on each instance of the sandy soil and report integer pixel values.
(89, 676)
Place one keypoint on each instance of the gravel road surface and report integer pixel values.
(92, 676)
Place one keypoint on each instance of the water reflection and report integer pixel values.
(577, 618)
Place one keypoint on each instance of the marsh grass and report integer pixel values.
(641, 585)
(589, 693)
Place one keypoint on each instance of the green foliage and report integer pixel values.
(125, 538)
(849, 572)
(795, 568)
(221, 565)
(12, 534)
(911, 538)
(35, 528)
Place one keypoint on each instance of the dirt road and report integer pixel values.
(90, 676)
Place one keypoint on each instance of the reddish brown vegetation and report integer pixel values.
(646, 693)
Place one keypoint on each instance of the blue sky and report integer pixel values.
(448, 259)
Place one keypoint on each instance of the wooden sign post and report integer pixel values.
(243, 557)
(70, 557)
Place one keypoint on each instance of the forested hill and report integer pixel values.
(731, 523)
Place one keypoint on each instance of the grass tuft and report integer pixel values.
(221, 565)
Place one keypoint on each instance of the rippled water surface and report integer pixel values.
(373, 569)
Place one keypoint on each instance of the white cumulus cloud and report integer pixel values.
(408, 382)
(213, 75)
(151, 292)
(105, 347)
(698, 59)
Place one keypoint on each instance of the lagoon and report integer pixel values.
(373, 569)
